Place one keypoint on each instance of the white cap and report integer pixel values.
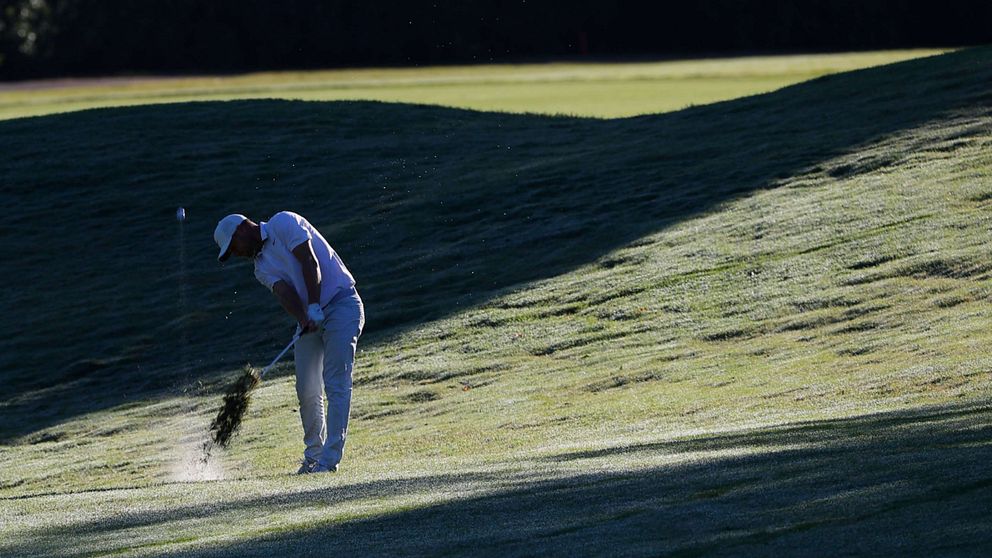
(224, 231)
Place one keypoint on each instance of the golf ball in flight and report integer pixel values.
(180, 215)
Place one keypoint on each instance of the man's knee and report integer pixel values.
(337, 379)
(308, 400)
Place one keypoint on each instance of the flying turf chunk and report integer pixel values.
(236, 400)
(232, 412)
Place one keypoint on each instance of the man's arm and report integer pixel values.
(311, 271)
(290, 301)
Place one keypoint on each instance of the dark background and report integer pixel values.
(48, 38)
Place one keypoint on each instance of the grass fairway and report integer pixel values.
(591, 89)
(753, 327)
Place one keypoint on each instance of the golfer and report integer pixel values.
(311, 282)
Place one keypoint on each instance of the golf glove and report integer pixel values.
(315, 313)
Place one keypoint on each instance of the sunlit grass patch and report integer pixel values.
(591, 89)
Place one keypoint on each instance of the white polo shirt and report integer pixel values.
(283, 232)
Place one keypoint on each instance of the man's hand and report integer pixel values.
(308, 326)
(315, 313)
(313, 320)
(291, 302)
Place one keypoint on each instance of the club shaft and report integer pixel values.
(279, 356)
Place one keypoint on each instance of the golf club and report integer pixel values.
(237, 398)
(279, 356)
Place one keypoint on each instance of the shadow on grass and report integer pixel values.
(912, 483)
(434, 210)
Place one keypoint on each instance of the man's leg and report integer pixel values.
(342, 328)
(310, 391)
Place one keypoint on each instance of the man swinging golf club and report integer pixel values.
(313, 285)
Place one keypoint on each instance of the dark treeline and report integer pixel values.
(40, 38)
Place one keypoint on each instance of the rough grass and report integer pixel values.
(756, 327)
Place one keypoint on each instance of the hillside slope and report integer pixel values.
(583, 310)
(580, 89)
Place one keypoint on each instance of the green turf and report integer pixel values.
(752, 327)
(589, 89)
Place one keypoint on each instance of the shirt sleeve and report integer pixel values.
(289, 229)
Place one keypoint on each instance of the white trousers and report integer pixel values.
(324, 362)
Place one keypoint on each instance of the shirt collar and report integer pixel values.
(264, 229)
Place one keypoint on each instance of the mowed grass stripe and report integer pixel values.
(593, 89)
